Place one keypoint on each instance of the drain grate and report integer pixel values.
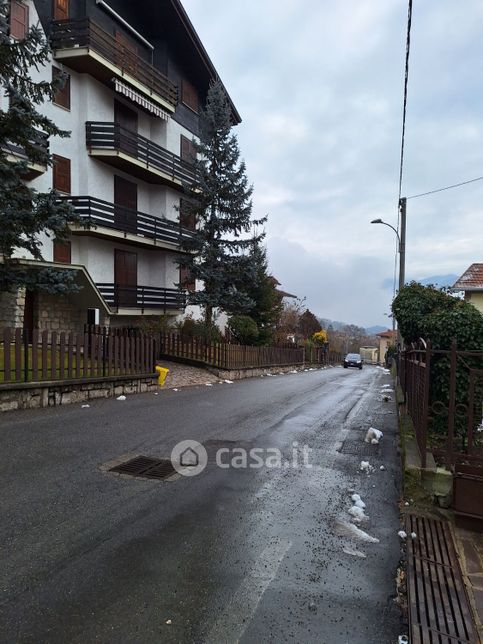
(145, 467)
(359, 448)
(439, 611)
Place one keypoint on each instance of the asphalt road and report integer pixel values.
(232, 555)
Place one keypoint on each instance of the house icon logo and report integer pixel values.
(189, 458)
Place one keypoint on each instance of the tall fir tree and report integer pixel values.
(262, 290)
(24, 212)
(220, 201)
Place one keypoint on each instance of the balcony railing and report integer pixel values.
(94, 212)
(112, 136)
(142, 297)
(39, 148)
(85, 34)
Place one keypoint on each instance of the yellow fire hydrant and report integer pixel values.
(162, 374)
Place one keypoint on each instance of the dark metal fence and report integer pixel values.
(39, 356)
(224, 355)
(444, 398)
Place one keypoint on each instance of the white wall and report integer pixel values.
(93, 101)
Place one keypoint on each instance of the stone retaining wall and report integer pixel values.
(51, 394)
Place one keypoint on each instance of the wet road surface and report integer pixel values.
(232, 555)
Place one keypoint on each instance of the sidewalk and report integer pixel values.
(470, 549)
(182, 375)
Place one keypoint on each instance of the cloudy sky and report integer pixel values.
(319, 86)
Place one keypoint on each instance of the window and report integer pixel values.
(186, 219)
(189, 96)
(185, 280)
(19, 20)
(187, 150)
(62, 95)
(61, 174)
(62, 252)
(61, 9)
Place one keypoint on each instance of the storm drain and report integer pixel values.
(359, 448)
(439, 611)
(145, 467)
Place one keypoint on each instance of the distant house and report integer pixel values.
(471, 282)
(386, 339)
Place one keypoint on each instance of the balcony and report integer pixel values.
(103, 219)
(137, 155)
(87, 48)
(142, 298)
(40, 148)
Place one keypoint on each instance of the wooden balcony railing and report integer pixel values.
(112, 136)
(142, 297)
(94, 212)
(75, 34)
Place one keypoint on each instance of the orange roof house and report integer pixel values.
(471, 282)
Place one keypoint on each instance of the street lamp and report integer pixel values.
(401, 239)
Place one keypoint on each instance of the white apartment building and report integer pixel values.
(137, 77)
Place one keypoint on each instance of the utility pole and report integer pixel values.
(402, 243)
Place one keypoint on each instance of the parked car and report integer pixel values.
(353, 360)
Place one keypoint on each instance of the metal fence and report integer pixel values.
(39, 356)
(224, 355)
(444, 398)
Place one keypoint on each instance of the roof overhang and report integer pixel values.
(88, 296)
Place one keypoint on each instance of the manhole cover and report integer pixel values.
(359, 448)
(145, 467)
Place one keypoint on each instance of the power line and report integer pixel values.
(406, 77)
(455, 185)
(403, 133)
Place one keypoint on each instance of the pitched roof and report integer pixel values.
(387, 334)
(472, 279)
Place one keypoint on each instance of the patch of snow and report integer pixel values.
(208, 384)
(382, 468)
(228, 382)
(402, 535)
(85, 407)
(403, 639)
(365, 466)
(373, 436)
(121, 398)
(354, 553)
(358, 515)
(414, 535)
(175, 389)
(346, 529)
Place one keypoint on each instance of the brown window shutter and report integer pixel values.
(62, 181)
(19, 19)
(186, 218)
(61, 9)
(62, 96)
(127, 53)
(185, 280)
(62, 252)
(187, 150)
(189, 96)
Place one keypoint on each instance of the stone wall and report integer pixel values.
(59, 313)
(52, 394)
(12, 306)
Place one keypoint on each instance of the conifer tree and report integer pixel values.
(24, 212)
(262, 290)
(220, 201)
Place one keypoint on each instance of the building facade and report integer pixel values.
(471, 282)
(137, 77)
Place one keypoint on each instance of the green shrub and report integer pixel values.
(244, 329)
